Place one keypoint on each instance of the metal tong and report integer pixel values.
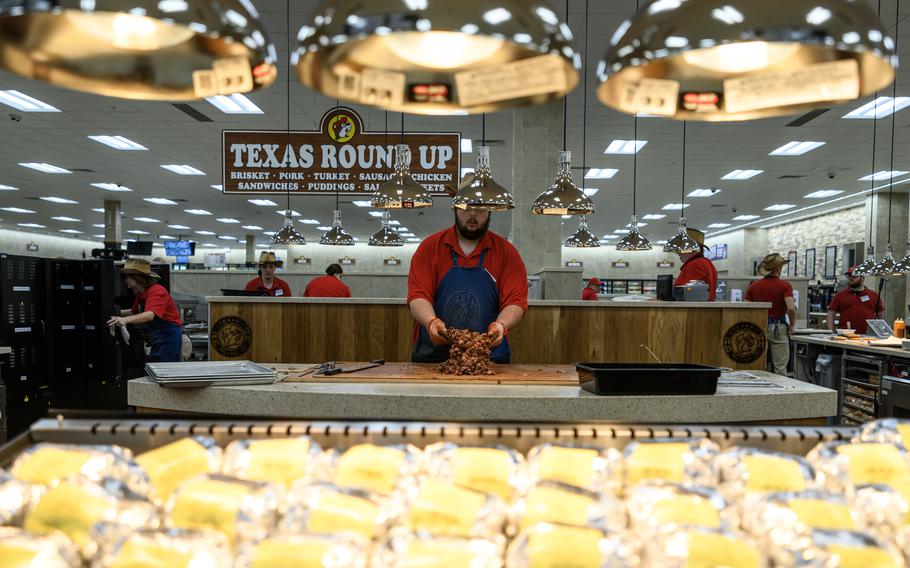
(329, 368)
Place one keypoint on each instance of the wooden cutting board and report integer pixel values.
(415, 373)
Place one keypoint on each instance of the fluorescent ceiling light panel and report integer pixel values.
(98, 236)
(137, 232)
(882, 175)
(167, 237)
(25, 103)
(146, 220)
(8, 188)
(640, 224)
(739, 175)
(653, 216)
(218, 186)
(323, 228)
(467, 145)
(309, 221)
(111, 186)
(880, 107)
(71, 231)
(620, 231)
(60, 200)
(179, 227)
(407, 234)
(591, 191)
(159, 201)
(98, 209)
(361, 203)
(43, 167)
(375, 213)
(823, 193)
(718, 225)
(394, 222)
(196, 211)
(227, 238)
(780, 207)
(210, 245)
(183, 169)
(627, 147)
(118, 142)
(16, 210)
(745, 217)
(674, 206)
(466, 171)
(66, 219)
(31, 225)
(262, 202)
(98, 225)
(234, 104)
(403, 229)
(205, 232)
(413, 240)
(227, 220)
(252, 227)
(284, 212)
(796, 148)
(703, 193)
(601, 173)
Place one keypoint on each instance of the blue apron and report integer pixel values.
(165, 339)
(467, 298)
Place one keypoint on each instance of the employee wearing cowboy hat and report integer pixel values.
(855, 304)
(152, 305)
(772, 288)
(591, 290)
(267, 283)
(696, 267)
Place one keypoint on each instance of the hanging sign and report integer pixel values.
(574, 264)
(620, 264)
(392, 261)
(664, 264)
(347, 260)
(302, 260)
(340, 156)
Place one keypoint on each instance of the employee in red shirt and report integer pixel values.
(591, 290)
(328, 286)
(696, 267)
(466, 277)
(855, 304)
(152, 305)
(779, 293)
(267, 283)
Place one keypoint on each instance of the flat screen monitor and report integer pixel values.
(179, 248)
(141, 248)
(182, 260)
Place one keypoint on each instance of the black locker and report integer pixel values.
(103, 352)
(23, 322)
(25, 407)
(65, 357)
(3, 420)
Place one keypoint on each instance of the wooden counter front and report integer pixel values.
(303, 329)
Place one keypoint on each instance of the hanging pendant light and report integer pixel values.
(142, 49)
(337, 236)
(288, 235)
(707, 59)
(482, 193)
(633, 240)
(885, 268)
(582, 237)
(435, 57)
(563, 197)
(681, 242)
(386, 236)
(903, 265)
(401, 191)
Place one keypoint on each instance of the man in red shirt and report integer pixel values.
(328, 286)
(466, 277)
(267, 283)
(696, 267)
(779, 292)
(856, 304)
(591, 290)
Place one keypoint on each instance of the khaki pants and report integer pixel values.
(779, 348)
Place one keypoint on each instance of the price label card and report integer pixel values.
(650, 96)
(528, 77)
(836, 80)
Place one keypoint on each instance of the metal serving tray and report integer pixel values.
(208, 370)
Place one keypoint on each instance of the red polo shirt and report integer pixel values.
(155, 299)
(588, 294)
(327, 287)
(771, 289)
(699, 268)
(279, 287)
(856, 308)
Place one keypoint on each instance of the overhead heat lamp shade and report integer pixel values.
(139, 49)
(480, 191)
(634, 240)
(902, 266)
(435, 57)
(681, 242)
(868, 264)
(885, 268)
(288, 235)
(401, 191)
(337, 236)
(563, 197)
(724, 60)
(386, 236)
(582, 237)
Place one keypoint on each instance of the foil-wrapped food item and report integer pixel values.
(404, 549)
(654, 506)
(554, 546)
(19, 549)
(749, 471)
(686, 462)
(851, 549)
(558, 503)
(375, 469)
(692, 546)
(170, 465)
(446, 509)
(14, 499)
(241, 510)
(292, 549)
(886, 431)
(281, 461)
(46, 463)
(498, 471)
(167, 548)
(585, 468)
(323, 508)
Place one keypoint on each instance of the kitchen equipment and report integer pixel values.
(895, 398)
(329, 369)
(692, 291)
(647, 378)
(665, 287)
(210, 373)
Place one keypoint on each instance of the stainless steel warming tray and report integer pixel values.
(202, 374)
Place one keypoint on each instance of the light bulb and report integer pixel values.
(128, 31)
(740, 57)
(442, 50)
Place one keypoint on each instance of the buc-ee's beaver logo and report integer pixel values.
(231, 336)
(342, 128)
(744, 342)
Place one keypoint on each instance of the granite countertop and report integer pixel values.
(531, 303)
(852, 346)
(507, 403)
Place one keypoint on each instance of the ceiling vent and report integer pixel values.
(811, 115)
(192, 112)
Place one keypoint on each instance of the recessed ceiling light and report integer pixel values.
(111, 186)
(118, 142)
(196, 211)
(718, 225)
(227, 238)
(780, 207)
(234, 104)
(252, 227)
(413, 240)
(674, 206)
(227, 220)
(146, 220)
(205, 232)
(591, 191)
(739, 175)
(601, 173)
(71, 231)
(880, 107)
(375, 213)
(284, 212)
(66, 219)
(823, 193)
(159, 201)
(218, 186)
(703, 193)
(467, 145)
(309, 221)
(394, 222)
(745, 217)
(60, 200)
(43, 167)
(183, 169)
(8, 188)
(882, 175)
(625, 146)
(137, 232)
(25, 103)
(796, 148)
(653, 216)
(16, 210)
(31, 225)
(179, 227)
(362, 203)
(262, 202)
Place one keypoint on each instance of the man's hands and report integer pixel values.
(117, 321)
(437, 331)
(497, 330)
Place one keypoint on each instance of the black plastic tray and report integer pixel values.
(624, 379)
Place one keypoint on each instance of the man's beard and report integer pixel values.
(858, 287)
(472, 234)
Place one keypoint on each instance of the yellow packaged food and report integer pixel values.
(240, 509)
(702, 548)
(857, 550)
(742, 471)
(14, 499)
(375, 469)
(323, 508)
(302, 550)
(442, 508)
(170, 548)
(498, 471)
(554, 546)
(551, 502)
(170, 465)
(654, 506)
(686, 462)
(585, 468)
(46, 464)
(19, 549)
(407, 550)
(281, 461)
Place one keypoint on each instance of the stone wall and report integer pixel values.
(834, 229)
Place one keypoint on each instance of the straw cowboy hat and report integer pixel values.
(138, 266)
(771, 263)
(697, 236)
(268, 257)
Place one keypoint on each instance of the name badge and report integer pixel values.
(279, 292)
(864, 298)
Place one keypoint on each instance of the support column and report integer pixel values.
(251, 249)
(113, 225)
(895, 290)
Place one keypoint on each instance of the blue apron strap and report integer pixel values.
(482, 255)
(454, 258)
